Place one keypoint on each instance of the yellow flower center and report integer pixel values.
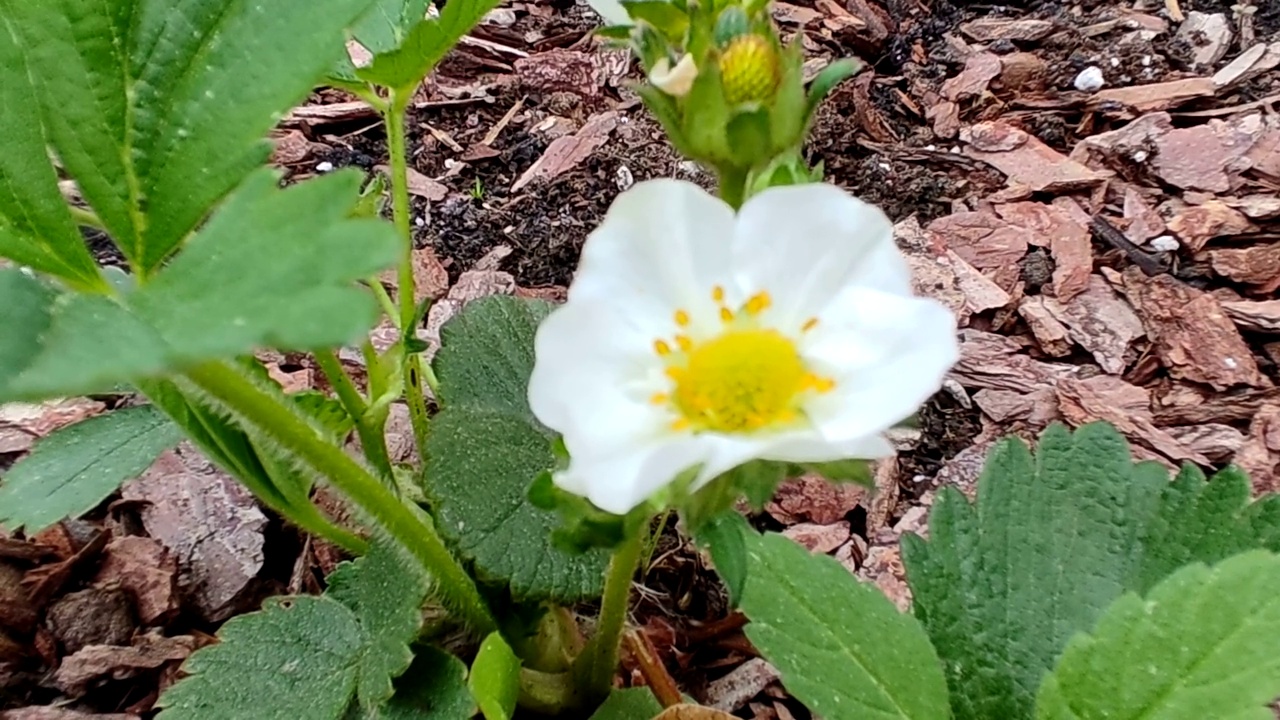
(745, 378)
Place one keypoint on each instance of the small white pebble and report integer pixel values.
(419, 221)
(624, 179)
(884, 166)
(1090, 79)
(1231, 363)
(1146, 61)
(1115, 62)
(450, 163)
(1164, 243)
(955, 149)
(1140, 156)
(324, 167)
(930, 148)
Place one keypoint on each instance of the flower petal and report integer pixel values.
(619, 481)
(813, 448)
(593, 374)
(803, 243)
(887, 353)
(662, 246)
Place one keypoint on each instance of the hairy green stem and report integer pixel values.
(384, 300)
(598, 663)
(286, 426)
(372, 439)
(399, 159)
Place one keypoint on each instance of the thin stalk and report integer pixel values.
(284, 425)
(598, 663)
(384, 300)
(397, 149)
(86, 218)
(372, 439)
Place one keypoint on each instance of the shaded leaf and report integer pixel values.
(433, 688)
(725, 537)
(485, 449)
(841, 646)
(385, 590)
(297, 658)
(75, 468)
(636, 703)
(495, 678)
(1200, 645)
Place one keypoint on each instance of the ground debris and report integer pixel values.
(147, 570)
(1025, 159)
(1128, 407)
(120, 662)
(211, 524)
(1193, 336)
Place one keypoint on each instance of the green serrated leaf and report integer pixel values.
(385, 590)
(495, 678)
(485, 449)
(1051, 542)
(1205, 521)
(35, 225)
(433, 688)
(297, 658)
(272, 268)
(75, 468)
(725, 536)
(26, 312)
(841, 647)
(636, 703)
(385, 26)
(425, 45)
(158, 110)
(1200, 645)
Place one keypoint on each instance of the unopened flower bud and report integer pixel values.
(675, 81)
(749, 70)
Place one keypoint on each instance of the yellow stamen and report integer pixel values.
(717, 294)
(809, 324)
(660, 398)
(680, 424)
(726, 315)
(684, 342)
(758, 303)
(661, 347)
(682, 318)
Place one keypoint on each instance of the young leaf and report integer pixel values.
(297, 658)
(725, 537)
(158, 110)
(1200, 645)
(272, 267)
(842, 648)
(433, 688)
(485, 448)
(35, 225)
(635, 703)
(72, 470)
(426, 44)
(495, 678)
(385, 590)
(1051, 542)
(385, 26)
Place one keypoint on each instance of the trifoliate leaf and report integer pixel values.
(158, 110)
(1051, 542)
(72, 470)
(1200, 645)
(485, 449)
(495, 678)
(635, 703)
(433, 688)
(35, 225)
(841, 646)
(297, 658)
(271, 268)
(385, 589)
(425, 45)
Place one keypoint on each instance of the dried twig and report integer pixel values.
(655, 673)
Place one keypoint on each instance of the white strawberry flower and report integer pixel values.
(697, 336)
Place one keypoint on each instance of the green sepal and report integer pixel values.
(583, 525)
(789, 115)
(650, 46)
(787, 169)
(748, 132)
(666, 111)
(755, 481)
(706, 117)
(614, 32)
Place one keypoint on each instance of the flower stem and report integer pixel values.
(372, 440)
(399, 158)
(286, 426)
(598, 663)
